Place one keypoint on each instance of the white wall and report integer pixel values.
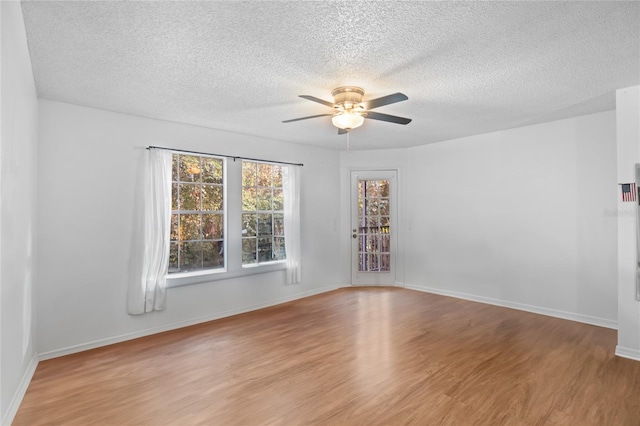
(86, 190)
(522, 218)
(518, 218)
(19, 168)
(628, 142)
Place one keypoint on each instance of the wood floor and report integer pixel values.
(370, 356)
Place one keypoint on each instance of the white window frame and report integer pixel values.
(232, 242)
(181, 211)
(257, 212)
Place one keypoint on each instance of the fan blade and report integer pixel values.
(385, 100)
(306, 118)
(386, 117)
(342, 131)
(318, 100)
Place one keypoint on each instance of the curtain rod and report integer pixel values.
(226, 156)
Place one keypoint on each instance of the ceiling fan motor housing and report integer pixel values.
(347, 96)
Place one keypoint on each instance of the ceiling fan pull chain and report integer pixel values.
(348, 141)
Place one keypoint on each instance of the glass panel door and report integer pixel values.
(373, 228)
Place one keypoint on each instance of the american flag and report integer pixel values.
(628, 191)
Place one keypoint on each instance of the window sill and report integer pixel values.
(199, 277)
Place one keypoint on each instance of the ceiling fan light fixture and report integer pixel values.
(347, 120)
(349, 111)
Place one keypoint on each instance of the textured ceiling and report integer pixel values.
(467, 67)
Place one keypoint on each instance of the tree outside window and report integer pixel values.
(262, 213)
(197, 214)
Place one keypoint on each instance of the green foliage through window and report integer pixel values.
(197, 216)
(262, 213)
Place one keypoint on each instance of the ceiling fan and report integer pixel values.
(351, 110)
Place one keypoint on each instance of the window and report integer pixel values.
(197, 214)
(262, 213)
(227, 218)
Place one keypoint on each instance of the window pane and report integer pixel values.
(191, 256)
(212, 226)
(212, 254)
(174, 232)
(264, 175)
(385, 263)
(278, 249)
(265, 224)
(190, 168)
(373, 262)
(373, 222)
(385, 243)
(368, 189)
(364, 262)
(265, 249)
(278, 199)
(249, 199)
(248, 173)
(189, 197)
(249, 251)
(264, 198)
(372, 243)
(371, 207)
(277, 176)
(384, 206)
(174, 168)
(211, 197)
(249, 225)
(278, 224)
(373, 188)
(174, 196)
(384, 188)
(173, 257)
(189, 227)
(211, 170)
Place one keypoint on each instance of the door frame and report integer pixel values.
(377, 173)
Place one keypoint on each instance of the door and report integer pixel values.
(373, 227)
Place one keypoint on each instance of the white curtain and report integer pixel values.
(291, 186)
(147, 288)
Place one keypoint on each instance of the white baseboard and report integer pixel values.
(623, 352)
(601, 322)
(12, 410)
(147, 332)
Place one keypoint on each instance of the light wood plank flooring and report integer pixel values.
(356, 356)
